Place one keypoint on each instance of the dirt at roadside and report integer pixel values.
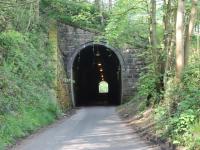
(144, 124)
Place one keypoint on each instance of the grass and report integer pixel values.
(27, 86)
(21, 124)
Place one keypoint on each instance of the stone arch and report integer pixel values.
(82, 47)
(115, 50)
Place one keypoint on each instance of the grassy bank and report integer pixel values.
(27, 88)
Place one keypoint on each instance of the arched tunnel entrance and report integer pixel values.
(96, 73)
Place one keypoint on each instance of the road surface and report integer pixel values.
(90, 128)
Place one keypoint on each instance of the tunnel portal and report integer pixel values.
(97, 77)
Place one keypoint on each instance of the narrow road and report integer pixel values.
(91, 128)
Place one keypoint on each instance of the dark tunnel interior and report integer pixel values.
(92, 65)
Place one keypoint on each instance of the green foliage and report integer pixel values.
(27, 97)
(18, 15)
(181, 109)
(176, 104)
(128, 24)
(27, 68)
(81, 14)
(146, 84)
(142, 106)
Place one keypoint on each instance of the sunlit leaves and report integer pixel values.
(128, 23)
(77, 13)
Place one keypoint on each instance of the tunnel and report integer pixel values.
(96, 77)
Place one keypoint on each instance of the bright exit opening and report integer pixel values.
(103, 87)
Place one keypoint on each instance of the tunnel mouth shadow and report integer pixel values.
(94, 65)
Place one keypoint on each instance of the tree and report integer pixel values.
(169, 20)
(153, 26)
(110, 4)
(157, 58)
(37, 10)
(189, 29)
(99, 7)
(153, 32)
(97, 4)
(180, 39)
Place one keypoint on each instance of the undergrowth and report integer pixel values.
(27, 96)
(175, 109)
(183, 108)
(82, 14)
(177, 114)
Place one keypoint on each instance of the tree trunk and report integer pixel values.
(110, 4)
(157, 59)
(99, 7)
(153, 35)
(30, 17)
(97, 4)
(101, 12)
(166, 19)
(37, 10)
(190, 27)
(167, 27)
(180, 39)
(153, 26)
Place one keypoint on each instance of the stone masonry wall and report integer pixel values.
(61, 87)
(71, 38)
(133, 68)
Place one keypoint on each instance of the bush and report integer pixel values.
(182, 109)
(82, 14)
(27, 97)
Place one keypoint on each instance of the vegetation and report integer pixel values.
(82, 14)
(27, 100)
(27, 72)
(170, 81)
(29, 83)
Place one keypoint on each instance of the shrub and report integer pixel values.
(27, 98)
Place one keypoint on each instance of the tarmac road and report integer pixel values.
(90, 128)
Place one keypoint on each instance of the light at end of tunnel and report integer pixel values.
(97, 54)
